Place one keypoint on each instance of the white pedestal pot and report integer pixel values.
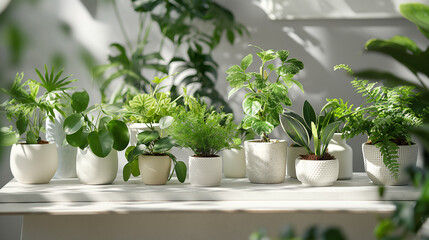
(154, 170)
(339, 148)
(317, 173)
(266, 161)
(292, 154)
(205, 171)
(92, 169)
(234, 163)
(379, 173)
(33, 163)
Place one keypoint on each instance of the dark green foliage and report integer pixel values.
(29, 108)
(265, 99)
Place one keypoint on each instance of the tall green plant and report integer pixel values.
(265, 98)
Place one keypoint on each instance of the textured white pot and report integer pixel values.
(379, 173)
(33, 163)
(339, 148)
(154, 170)
(266, 161)
(205, 171)
(136, 128)
(55, 133)
(317, 173)
(292, 154)
(92, 169)
(234, 163)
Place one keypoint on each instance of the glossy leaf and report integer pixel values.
(8, 137)
(328, 132)
(295, 130)
(309, 113)
(165, 122)
(126, 172)
(245, 63)
(163, 145)
(101, 143)
(120, 133)
(80, 101)
(73, 123)
(418, 14)
(262, 127)
(283, 55)
(251, 106)
(104, 122)
(77, 139)
(316, 139)
(180, 169)
(147, 136)
(21, 125)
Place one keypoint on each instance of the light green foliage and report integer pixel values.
(151, 107)
(385, 116)
(265, 98)
(319, 127)
(29, 108)
(100, 133)
(205, 131)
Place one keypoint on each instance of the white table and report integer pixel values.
(66, 209)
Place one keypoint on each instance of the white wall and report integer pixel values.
(320, 44)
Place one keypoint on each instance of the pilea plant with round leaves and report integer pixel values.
(152, 143)
(100, 133)
(265, 98)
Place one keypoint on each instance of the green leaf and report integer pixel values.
(135, 170)
(295, 130)
(126, 172)
(147, 136)
(120, 133)
(260, 127)
(296, 62)
(247, 60)
(31, 138)
(180, 169)
(101, 142)
(8, 137)
(236, 80)
(80, 101)
(128, 151)
(418, 14)
(234, 69)
(283, 55)
(280, 92)
(73, 123)
(104, 122)
(165, 122)
(328, 132)
(78, 138)
(309, 113)
(251, 106)
(163, 145)
(232, 92)
(316, 139)
(22, 124)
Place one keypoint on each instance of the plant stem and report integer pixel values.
(121, 25)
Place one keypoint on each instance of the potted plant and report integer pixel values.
(98, 139)
(206, 132)
(151, 158)
(317, 167)
(385, 117)
(266, 158)
(32, 159)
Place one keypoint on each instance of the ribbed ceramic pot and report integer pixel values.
(266, 161)
(344, 153)
(92, 169)
(205, 171)
(234, 163)
(292, 154)
(154, 170)
(136, 128)
(379, 173)
(33, 163)
(317, 173)
(55, 133)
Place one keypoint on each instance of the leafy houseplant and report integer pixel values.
(34, 160)
(97, 138)
(265, 99)
(322, 128)
(206, 132)
(385, 117)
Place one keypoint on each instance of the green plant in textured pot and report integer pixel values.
(100, 133)
(265, 99)
(30, 110)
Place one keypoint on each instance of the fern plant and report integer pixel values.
(30, 108)
(385, 117)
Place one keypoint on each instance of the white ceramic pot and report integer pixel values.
(55, 133)
(33, 163)
(266, 161)
(317, 173)
(136, 128)
(234, 163)
(205, 171)
(92, 169)
(292, 154)
(339, 148)
(379, 173)
(154, 170)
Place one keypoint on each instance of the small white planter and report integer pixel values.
(92, 169)
(234, 163)
(292, 154)
(379, 173)
(344, 153)
(205, 171)
(33, 163)
(266, 161)
(317, 173)
(154, 170)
